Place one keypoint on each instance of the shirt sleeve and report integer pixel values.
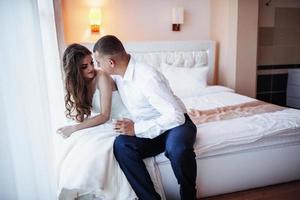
(157, 90)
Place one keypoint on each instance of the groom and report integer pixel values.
(160, 123)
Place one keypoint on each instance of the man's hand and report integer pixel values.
(66, 131)
(125, 127)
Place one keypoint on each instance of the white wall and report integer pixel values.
(246, 54)
(137, 20)
(234, 27)
(224, 31)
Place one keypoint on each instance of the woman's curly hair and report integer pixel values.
(78, 105)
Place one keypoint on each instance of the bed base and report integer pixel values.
(238, 171)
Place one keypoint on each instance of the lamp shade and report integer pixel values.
(95, 19)
(95, 16)
(177, 16)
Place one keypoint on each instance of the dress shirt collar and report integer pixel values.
(128, 76)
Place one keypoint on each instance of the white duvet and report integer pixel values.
(234, 134)
(227, 136)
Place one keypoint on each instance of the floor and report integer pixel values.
(286, 191)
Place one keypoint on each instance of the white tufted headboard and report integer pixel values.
(186, 53)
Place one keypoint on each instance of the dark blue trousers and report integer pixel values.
(178, 146)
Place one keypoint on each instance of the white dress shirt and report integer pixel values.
(147, 95)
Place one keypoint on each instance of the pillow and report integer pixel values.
(185, 82)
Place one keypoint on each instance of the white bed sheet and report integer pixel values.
(214, 138)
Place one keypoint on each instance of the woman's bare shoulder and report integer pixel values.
(103, 77)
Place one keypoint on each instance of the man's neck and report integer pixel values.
(123, 64)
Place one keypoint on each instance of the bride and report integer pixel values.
(86, 165)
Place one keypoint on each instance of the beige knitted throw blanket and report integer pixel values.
(231, 112)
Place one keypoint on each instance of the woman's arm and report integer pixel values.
(105, 84)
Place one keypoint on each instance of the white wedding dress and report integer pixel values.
(86, 164)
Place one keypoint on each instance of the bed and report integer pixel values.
(232, 154)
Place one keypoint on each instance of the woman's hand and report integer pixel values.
(66, 131)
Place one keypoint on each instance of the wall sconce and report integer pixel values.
(95, 19)
(177, 18)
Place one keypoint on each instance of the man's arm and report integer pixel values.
(160, 96)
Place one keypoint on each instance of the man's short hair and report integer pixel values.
(109, 45)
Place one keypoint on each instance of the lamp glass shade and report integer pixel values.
(95, 16)
(177, 15)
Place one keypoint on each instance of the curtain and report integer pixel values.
(31, 99)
